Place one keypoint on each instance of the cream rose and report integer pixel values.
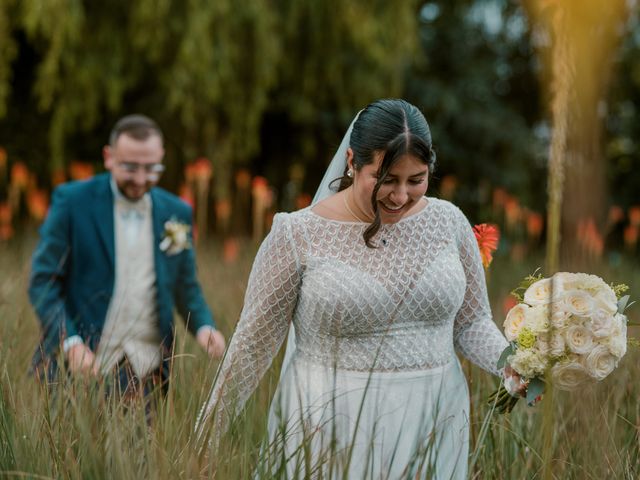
(537, 318)
(559, 317)
(561, 282)
(539, 293)
(557, 344)
(542, 346)
(578, 339)
(606, 300)
(568, 375)
(586, 281)
(600, 362)
(514, 322)
(578, 302)
(618, 339)
(602, 323)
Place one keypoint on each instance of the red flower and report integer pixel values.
(487, 236)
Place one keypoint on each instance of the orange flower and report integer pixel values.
(631, 236)
(19, 175)
(488, 236)
(634, 215)
(616, 214)
(243, 179)
(223, 209)
(535, 223)
(200, 169)
(230, 250)
(500, 197)
(6, 231)
(80, 170)
(5, 213)
(303, 200)
(186, 194)
(448, 187)
(57, 177)
(3, 159)
(38, 204)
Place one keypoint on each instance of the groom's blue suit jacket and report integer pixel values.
(73, 270)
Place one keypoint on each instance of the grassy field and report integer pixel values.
(74, 433)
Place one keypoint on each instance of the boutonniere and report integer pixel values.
(175, 237)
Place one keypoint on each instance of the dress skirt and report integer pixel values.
(328, 423)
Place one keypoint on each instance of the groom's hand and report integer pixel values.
(80, 359)
(212, 341)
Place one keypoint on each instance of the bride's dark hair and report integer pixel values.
(397, 128)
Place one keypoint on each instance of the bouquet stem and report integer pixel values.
(503, 400)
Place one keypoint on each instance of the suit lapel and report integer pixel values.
(103, 215)
(157, 209)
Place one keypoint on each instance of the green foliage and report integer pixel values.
(208, 71)
(476, 82)
(8, 51)
(272, 83)
(77, 435)
(619, 289)
(518, 292)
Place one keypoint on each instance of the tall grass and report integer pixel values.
(73, 432)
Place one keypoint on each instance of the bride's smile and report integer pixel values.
(400, 192)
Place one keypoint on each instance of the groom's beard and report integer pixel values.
(133, 191)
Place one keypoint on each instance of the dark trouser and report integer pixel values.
(125, 383)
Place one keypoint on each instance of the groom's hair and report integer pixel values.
(139, 127)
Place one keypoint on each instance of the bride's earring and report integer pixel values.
(350, 173)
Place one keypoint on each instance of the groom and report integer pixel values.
(114, 259)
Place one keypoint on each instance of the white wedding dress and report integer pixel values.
(374, 388)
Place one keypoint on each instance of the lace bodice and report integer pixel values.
(399, 307)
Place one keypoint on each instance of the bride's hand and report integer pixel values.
(514, 383)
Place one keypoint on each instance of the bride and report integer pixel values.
(381, 285)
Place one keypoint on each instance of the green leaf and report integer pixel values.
(506, 353)
(534, 390)
(622, 303)
(518, 292)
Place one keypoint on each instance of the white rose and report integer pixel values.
(537, 318)
(557, 344)
(514, 322)
(561, 282)
(542, 346)
(539, 293)
(605, 299)
(602, 323)
(600, 362)
(586, 281)
(559, 317)
(578, 339)
(618, 339)
(578, 302)
(528, 363)
(568, 375)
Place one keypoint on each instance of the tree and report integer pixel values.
(340, 56)
(578, 69)
(475, 81)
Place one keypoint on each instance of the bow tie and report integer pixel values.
(131, 210)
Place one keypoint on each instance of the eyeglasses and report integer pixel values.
(151, 170)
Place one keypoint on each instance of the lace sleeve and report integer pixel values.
(271, 295)
(475, 334)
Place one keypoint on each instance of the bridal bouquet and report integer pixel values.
(568, 329)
